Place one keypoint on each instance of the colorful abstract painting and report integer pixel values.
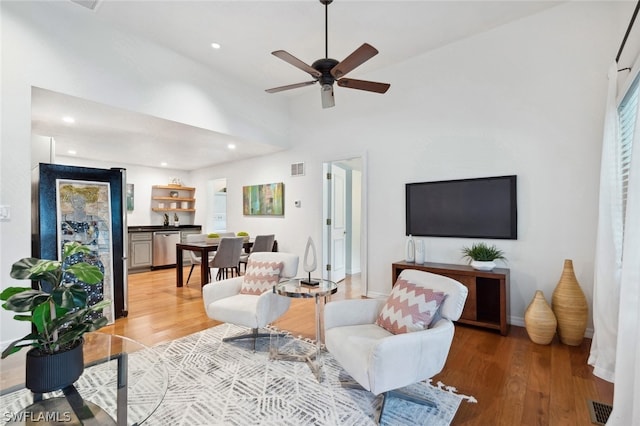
(263, 200)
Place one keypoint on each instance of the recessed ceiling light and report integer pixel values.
(231, 146)
(72, 152)
(215, 45)
(68, 119)
(163, 164)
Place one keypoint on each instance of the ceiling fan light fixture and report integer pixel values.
(326, 93)
(327, 71)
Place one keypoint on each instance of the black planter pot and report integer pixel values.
(51, 372)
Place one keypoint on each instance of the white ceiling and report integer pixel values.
(105, 133)
(248, 31)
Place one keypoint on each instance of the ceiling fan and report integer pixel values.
(326, 71)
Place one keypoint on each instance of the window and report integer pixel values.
(627, 112)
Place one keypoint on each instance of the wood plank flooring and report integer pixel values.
(515, 381)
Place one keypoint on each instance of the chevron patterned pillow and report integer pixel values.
(260, 277)
(409, 308)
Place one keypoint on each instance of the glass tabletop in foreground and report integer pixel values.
(105, 356)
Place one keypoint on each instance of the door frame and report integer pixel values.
(364, 227)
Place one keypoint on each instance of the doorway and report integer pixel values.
(344, 219)
(216, 206)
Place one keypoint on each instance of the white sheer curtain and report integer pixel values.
(608, 261)
(626, 406)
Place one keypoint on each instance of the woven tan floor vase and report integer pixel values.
(539, 320)
(570, 307)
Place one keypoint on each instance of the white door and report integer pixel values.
(338, 223)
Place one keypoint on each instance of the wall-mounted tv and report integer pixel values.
(466, 208)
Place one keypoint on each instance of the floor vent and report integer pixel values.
(297, 169)
(599, 412)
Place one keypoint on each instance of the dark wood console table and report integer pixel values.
(487, 304)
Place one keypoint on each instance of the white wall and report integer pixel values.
(58, 46)
(526, 98)
(143, 179)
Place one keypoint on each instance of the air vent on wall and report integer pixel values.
(297, 169)
(89, 4)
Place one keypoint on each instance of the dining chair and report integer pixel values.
(226, 234)
(262, 243)
(194, 257)
(227, 257)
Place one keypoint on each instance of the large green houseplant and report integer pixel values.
(59, 315)
(58, 307)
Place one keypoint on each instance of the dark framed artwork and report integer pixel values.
(263, 200)
(87, 205)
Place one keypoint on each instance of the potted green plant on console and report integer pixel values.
(58, 312)
(482, 256)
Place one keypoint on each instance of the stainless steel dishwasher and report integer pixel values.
(164, 248)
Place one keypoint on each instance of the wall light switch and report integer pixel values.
(297, 203)
(5, 213)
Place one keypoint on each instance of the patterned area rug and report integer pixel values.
(215, 383)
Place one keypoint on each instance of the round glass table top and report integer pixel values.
(297, 287)
(123, 382)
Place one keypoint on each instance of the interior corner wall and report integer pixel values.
(60, 47)
(526, 98)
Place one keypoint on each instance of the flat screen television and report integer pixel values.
(466, 208)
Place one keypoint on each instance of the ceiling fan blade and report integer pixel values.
(369, 86)
(288, 57)
(290, 86)
(357, 58)
(326, 93)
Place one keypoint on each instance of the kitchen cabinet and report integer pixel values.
(140, 250)
(173, 198)
(140, 257)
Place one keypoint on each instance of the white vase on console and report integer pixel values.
(409, 250)
(419, 252)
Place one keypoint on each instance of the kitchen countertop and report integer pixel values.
(152, 228)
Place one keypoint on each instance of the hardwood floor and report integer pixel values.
(515, 381)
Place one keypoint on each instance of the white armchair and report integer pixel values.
(380, 361)
(223, 300)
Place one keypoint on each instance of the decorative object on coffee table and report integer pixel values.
(570, 307)
(310, 264)
(482, 256)
(539, 320)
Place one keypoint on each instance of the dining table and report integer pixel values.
(203, 248)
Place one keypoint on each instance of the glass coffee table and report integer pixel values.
(296, 288)
(123, 383)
